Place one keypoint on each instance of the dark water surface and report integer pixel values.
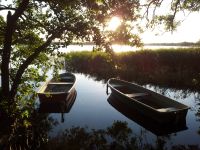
(91, 110)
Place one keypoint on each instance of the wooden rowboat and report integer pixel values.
(58, 90)
(156, 106)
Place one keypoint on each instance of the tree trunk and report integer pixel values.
(6, 57)
(7, 48)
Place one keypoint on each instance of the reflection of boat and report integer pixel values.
(57, 107)
(154, 105)
(145, 121)
(59, 89)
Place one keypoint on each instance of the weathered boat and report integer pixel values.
(156, 106)
(145, 121)
(58, 89)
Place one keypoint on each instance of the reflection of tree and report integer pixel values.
(183, 147)
(198, 115)
(118, 136)
(178, 93)
(77, 138)
(26, 133)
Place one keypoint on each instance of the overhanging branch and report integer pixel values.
(26, 63)
(7, 8)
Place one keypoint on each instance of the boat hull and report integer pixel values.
(172, 117)
(59, 90)
(55, 98)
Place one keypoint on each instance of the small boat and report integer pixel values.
(144, 121)
(156, 106)
(58, 89)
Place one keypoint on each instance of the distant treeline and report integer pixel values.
(174, 44)
(196, 44)
(167, 67)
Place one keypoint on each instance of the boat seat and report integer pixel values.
(168, 109)
(117, 85)
(132, 95)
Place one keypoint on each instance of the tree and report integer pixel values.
(172, 9)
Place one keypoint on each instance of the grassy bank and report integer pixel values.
(167, 67)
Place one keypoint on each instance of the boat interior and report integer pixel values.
(58, 87)
(156, 101)
(63, 79)
(66, 77)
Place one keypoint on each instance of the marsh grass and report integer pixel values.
(166, 67)
(96, 63)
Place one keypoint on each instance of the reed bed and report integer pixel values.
(167, 67)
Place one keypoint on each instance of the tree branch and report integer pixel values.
(7, 8)
(26, 63)
(175, 8)
(157, 3)
(19, 11)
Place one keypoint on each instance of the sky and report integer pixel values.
(188, 31)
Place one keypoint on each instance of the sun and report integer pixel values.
(114, 23)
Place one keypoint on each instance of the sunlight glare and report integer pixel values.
(114, 23)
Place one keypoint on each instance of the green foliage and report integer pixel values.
(170, 24)
(2, 25)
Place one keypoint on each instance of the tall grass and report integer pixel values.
(168, 67)
(96, 63)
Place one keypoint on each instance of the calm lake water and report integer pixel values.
(91, 109)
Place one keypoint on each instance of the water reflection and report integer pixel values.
(93, 123)
(114, 137)
(57, 107)
(145, 121)
(26, 133)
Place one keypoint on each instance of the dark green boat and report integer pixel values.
(160, 108)
(58, 90)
